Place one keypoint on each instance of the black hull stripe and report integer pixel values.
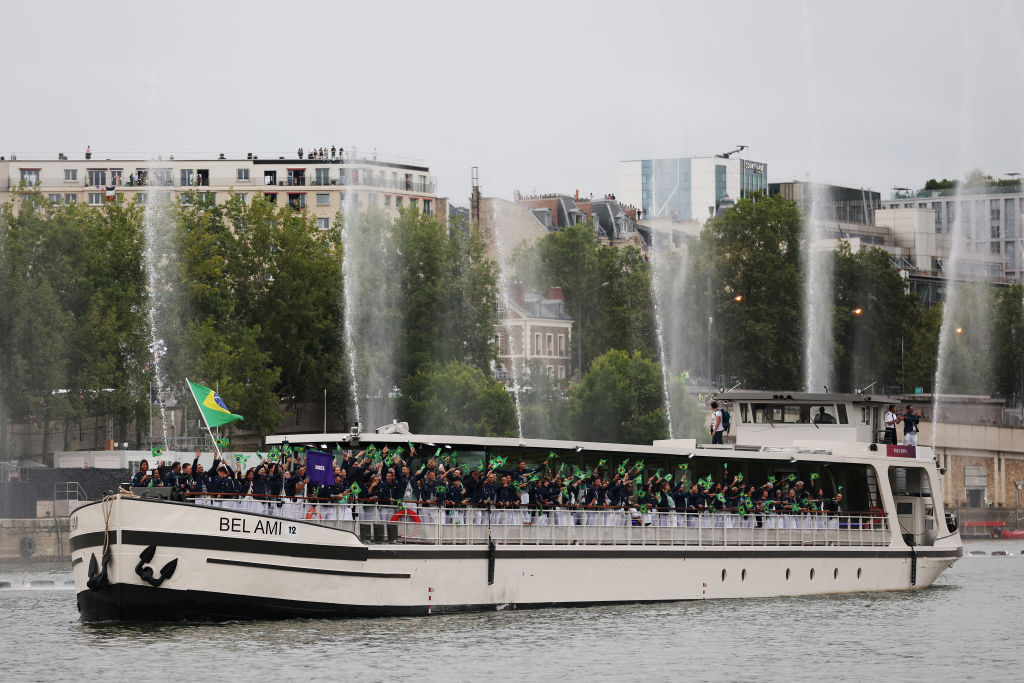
(392, 552)
(226, 543)
(305, 570)
(125, 602)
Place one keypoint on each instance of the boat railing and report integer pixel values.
(416, 523)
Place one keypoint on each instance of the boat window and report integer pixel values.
(777, 413)
(824, 414)
(841, 413)
(744, 412)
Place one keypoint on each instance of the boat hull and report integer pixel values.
(237, 565)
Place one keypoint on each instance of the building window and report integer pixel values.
(140, 198)
(70, 198)
(70, 175)
(270, 197)
(994, 229)
(323, 176)
(270, 177)
(387, 200)
(95, 198)
(550, 344)
(323, 223)
(242, 196)
(30, 176)
(372, 196)
(536, 344)
(323, 199)
(428, 207)
(976, 484)
(1010, 224)
(297, 200)
(413, 202)
(242, 175)
(561, 345)
(561, 372)
(398, 202)
(54, 198)
(550, 370)
(408, 181)
(994, 247)
(115, 176)
(188, 177)
(97, 177)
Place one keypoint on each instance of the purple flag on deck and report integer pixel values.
(320, 468)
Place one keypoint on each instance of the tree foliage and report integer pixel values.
(456, 398)
(753, 251)
(619, 400)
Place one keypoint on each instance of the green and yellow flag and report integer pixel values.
(215, 413)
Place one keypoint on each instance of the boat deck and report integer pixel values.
(417, 524)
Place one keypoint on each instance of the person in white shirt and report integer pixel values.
(892, 418)
(717, 428)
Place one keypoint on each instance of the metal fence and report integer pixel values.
(417, 524)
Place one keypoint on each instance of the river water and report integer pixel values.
(967, 626)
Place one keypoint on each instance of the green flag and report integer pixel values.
(215, 413)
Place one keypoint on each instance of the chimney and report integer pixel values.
(518, 294)
(577, 195)
(555, 293)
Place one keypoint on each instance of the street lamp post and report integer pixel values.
(738, 298)
(579, 329)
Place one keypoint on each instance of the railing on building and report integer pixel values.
(418, 524)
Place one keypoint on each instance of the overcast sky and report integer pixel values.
(542, 96)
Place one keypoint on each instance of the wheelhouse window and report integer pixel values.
(781, 413)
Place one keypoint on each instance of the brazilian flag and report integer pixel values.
(215, 413)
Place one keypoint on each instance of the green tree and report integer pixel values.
(617, 315)
(874, 321)
(456, 398)
(753, 251)
(1007, 354)
(544, 402)
(619, 400)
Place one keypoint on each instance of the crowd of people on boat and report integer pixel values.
(387, 477)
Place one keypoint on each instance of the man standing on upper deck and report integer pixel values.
(891, 420)
(717, 427)
(910, 428)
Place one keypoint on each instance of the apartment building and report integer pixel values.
(320, 186)
(991, 217)
(534, 328)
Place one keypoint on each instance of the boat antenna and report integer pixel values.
(868, 387)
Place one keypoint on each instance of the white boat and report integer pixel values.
(138, 558)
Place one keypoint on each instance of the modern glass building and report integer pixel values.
(688, 189)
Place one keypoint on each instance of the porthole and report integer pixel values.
(743, 575)
(812, 574)
(787, 575)
(858, 573)
(835, 573)
(723, 575)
